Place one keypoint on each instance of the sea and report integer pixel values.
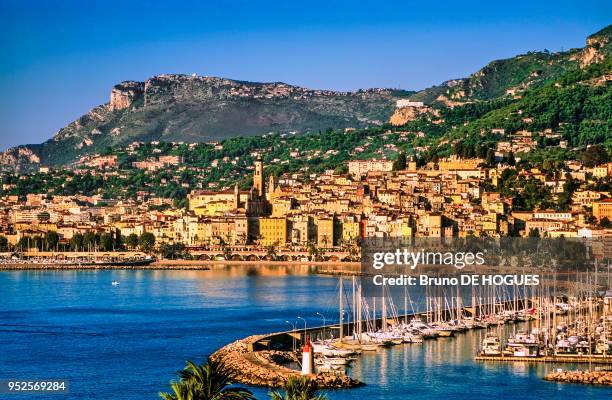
(127, 341)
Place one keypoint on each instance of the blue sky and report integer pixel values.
(59, 59)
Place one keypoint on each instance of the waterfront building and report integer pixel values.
(325, 231)
(273, 231)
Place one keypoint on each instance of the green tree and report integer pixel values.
(313, 251)
(76, 242)
(605, 223)
(89, 241)
(227, 251)
(106, 242)
(271, 251)
(24, 243)
(118, 239)
(146, 242)
(180, 391)
(400, 162)
(341, 169)
(132, 241)
(594, 155)
(51, 240)
(490, 158)
(4, 244)
(209, 381)
(298, 388)
(172, 251)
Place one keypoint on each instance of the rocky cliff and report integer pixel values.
(404, 114)
(598, 45)
(125, 94)
(18, 158)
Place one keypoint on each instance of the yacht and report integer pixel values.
(491, 345)
(522, 337)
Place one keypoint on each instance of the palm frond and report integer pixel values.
(209, 381)
(298, 388)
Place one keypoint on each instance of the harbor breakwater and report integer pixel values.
(252, 361)
(260, 360)
(586, 377)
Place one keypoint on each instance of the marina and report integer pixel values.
(532, 338)
(158, 319)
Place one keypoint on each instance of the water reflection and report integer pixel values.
(77, 323)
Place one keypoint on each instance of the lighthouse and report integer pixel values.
(307, 358)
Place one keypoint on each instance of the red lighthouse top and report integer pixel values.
(307, 347)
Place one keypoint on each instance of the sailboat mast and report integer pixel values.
(405, 305)
(384, 311)
(341, 311)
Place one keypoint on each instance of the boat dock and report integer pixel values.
(566, 358)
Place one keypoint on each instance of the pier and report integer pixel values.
(565, 358)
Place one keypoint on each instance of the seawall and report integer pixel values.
(253, 362)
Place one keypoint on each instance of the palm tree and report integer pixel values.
(208, 381)
(271, 251)
(298, 388)
(313, 251)
(182, 391)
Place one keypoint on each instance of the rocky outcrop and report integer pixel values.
(124, 94)
(18, 159)
(594, 52)
(403, 115)
(587, 377)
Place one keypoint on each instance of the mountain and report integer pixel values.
(513, 76)
(577, 106)
(197, 109)
(509, 78)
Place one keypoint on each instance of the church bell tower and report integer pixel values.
(258, 178)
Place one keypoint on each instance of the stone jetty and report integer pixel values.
(261, 368)
(588, 377)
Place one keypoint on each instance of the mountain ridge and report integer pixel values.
(514, 75)
(177, 107)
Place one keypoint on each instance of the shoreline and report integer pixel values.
(332, 267)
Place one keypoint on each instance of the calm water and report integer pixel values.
(126, 342)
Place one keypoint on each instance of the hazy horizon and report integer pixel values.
(62, 59)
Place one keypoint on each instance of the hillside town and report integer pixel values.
(308, 213)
